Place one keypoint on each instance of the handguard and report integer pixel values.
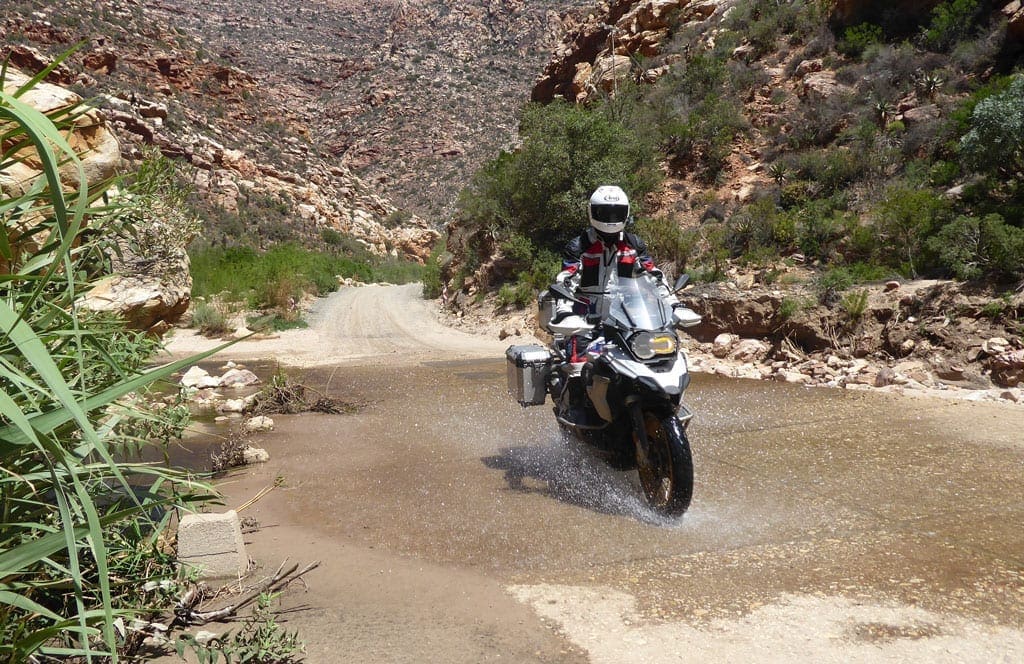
(685, 317)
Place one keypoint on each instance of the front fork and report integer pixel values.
(636, 415)
(643, 447)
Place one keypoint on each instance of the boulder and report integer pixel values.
(144, 302)
(213, 545)
(199, 378)
(820, 86)
(723, 344)
(1014, 13)
(995, 345)
(258, 424)
(1007, 368)
(235, 377)
(885, 376)
(252, 455)
(233, 406)
(749, 350)
(101, 61)
(924, 113)
(808, 67)
(97, 146)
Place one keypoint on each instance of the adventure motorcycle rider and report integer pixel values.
(589, 260)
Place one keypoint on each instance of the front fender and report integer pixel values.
(672, 382)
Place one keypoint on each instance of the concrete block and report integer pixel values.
(213, 544)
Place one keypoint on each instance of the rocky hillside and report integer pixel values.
(249, 152)
(411, 96)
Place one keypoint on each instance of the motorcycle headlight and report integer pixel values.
(646, 345)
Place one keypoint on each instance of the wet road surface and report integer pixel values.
(826, 526)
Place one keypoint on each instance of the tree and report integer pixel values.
(995, 143)
(540, 190)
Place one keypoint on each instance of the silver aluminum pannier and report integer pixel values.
(528, 368)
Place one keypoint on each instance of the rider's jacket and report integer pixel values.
(591, 260)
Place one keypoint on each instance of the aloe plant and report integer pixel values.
(65, 495)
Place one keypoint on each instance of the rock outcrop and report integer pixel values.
(621, 42)
(91, 138)
(149, 293)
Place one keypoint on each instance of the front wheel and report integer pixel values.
(667, 477)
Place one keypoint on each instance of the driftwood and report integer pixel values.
(185, 612)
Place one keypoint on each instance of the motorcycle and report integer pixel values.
(616, 373)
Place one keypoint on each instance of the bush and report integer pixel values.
(78, 538)
(271, 277)
(970, 248)
(843, 277)
(668, 244)
(432, 285)
(209, 319)
(790, 307)
(995, 142)
(952, 22)
(705, 136)
(855, 304)
(523, 292)
(541, 190)
(857, 38)
(902, 223)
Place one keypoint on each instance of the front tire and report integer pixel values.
(668, 480)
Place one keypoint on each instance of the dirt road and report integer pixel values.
(455, 527)
(356, 325)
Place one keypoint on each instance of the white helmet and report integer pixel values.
(609, 210)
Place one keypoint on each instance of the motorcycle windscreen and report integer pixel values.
(635, 303)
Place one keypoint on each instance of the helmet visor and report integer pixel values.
(609, 214)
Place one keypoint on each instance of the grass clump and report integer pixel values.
(210, 319)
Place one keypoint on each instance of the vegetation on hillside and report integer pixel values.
(850, 183)
(82, 533)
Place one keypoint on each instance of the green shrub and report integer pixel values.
(760, 226)
(844, 277)
(995, 142)
(271, 277)
(397, 218)
(943, 173)
(705, 136)
(790, 307)
(209, 319)
(540, 191)
(519, 294)
(831, 169)
(763, 22)
(669, 245)
(821, 232)
(397, 271)
(970, 248)
(952, 22)
(859, 37)
(903, 221)
(331, 237)
(529, 282)
(432, 285)
(78, 538)
(855, 304)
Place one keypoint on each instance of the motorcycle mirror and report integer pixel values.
(681, 282)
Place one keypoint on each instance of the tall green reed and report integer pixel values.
(68, 500)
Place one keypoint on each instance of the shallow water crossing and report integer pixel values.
(862, 526)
